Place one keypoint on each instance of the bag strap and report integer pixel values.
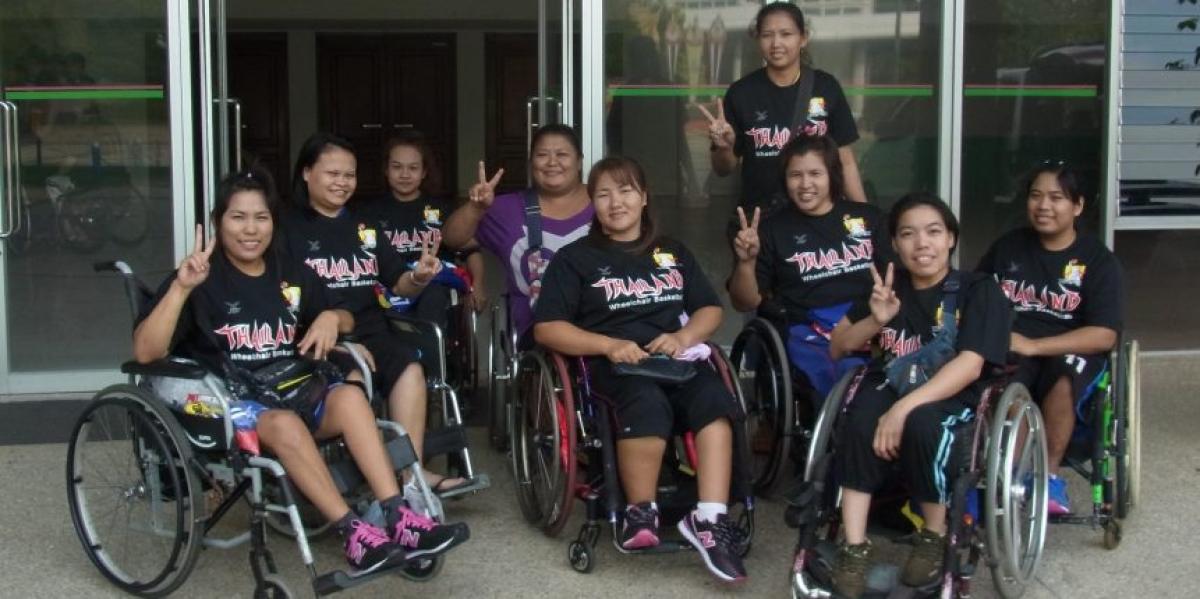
(803, 95)
(533, 220)
(950, 290)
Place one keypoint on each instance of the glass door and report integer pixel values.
(557, 60)
(86, 176)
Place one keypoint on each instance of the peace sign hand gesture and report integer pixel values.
(194, 269)
(484, 192)
(884, 303)
(746, 244)
(429, 265)
(719, 130)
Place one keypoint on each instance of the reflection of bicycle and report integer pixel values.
(82, 216)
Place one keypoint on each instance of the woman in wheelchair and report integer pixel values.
(617, 296)
(914, 314)
(810, 260)
(1065, 287)
(340, 244)
(409, 219)
(241, 305)
(525, 228)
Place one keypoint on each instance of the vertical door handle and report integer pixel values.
(237, 133)
(10, 154)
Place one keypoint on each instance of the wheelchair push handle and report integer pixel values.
(117, 266)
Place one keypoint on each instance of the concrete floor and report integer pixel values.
(41, 557)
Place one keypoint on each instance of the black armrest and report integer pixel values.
(165, 367)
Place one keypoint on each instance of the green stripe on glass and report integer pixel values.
(86, 94)
(1029, 92)
(914, 91)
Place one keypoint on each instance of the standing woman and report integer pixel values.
(524, 229)
(956, 326)
(761, 112)
(343, 248)
(409, 219)
(1065, 287)
(616, 296)
(811, 260)
(237, 281)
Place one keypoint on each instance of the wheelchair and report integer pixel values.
(563, 448)
(450, 363)
(502, 364)
(143, 473)
(1002, 456)
(773, 420)
(1106, 446)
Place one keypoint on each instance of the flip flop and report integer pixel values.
(443, 487)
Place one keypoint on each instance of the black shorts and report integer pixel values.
(1041, 373)
(645, 408)
(391, 355)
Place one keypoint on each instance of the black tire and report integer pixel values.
(1127, 429)
(151, 463)
(273, 587)
(581, 557)
(769, 408)
(500, 380)
(130, 217)
(82, 222)
(423, 569)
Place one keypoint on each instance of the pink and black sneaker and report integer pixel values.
(715, 542)
(368, 548)
(423, 536)
(640, 530)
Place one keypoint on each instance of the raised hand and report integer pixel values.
(428, 265)
(194, 269)
(719, 130)
(484, 192)
(884, 303)
(746, 244)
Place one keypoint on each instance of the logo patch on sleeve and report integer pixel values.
(1073, 272)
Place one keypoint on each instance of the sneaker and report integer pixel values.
(850, 570)
(924, 564)
(1058, 503)
(714, 541)
(422, 536)
(368, 547)
(641, 527)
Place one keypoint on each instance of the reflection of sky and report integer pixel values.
(1157, 115)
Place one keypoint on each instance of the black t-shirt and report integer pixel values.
(601, 288)
(255, 320)
(983, 319)
(1054, 292)
(762, 114)
(816, 261)
(349, 255)
(407, 225)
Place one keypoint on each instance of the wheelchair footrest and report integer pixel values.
(665, 546)
(445, 440)
(340, 580)
(478, 483)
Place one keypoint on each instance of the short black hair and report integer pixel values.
(917, 199)
(771, 8)
(316, 144)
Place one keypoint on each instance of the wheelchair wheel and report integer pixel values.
(760, 359)
(422, 570)
(821, 439)
(543, 441)
(500, 376)
(134, 493)
(81, 222)
(1127, 429)
(129, 220)
(1015, 488)
(273, 587)
(315, 525)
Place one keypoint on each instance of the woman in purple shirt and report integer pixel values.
(560, 212)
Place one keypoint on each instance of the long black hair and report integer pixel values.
(828, 149)
(316, 144)
(771, 8)
(416, 140)
(253, 179)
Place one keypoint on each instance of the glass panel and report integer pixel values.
(1033, 73)
(1160, 280)
(87, 78)
(662, 58)
(1160, 108)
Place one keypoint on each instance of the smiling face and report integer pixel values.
(618, 208)
(331, 180)
(923, 243)
(807, 180)
(245, 229)
(780, 41)
(1051, 210)
(555, 164)
(405, 172)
